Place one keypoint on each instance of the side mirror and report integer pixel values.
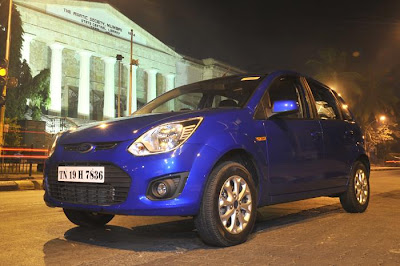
(285, 107)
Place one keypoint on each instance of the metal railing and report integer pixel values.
(18, 160)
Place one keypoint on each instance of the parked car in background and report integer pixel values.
(216, 150)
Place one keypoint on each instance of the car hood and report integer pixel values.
(127, 128)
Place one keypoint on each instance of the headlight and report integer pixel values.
(164, 138)
(54, 145)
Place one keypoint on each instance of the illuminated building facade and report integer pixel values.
(78, 41)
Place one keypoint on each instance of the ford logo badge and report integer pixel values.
(85, 147)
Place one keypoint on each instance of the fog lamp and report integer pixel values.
(163, 188)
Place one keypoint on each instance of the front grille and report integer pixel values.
(97, 146)
(105, 145)
(114, 190)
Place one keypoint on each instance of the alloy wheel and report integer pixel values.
(361, 186)
(235, 204)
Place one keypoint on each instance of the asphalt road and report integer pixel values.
(308, 232)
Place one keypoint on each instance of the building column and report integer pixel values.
(55, 78)
(134, 87)
(151, 84)
(26, 47)
(64, 100)
(169, 86)
(170, 82)
(84, 85)
(109, 88)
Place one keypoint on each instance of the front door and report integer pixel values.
(294, 142)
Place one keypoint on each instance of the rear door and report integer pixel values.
(338, 135)
(294, 142)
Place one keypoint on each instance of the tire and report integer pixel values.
(88, 219)
(228, 208)
(356, 198)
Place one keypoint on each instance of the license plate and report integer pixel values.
(84, 174)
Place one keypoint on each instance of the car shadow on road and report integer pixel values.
(167, 236)
(176, 236)
(275, 222)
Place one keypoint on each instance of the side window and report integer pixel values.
(222, 101)
(345, 110)
(287, 89)
(325, 102)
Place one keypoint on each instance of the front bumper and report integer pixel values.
(196, 159)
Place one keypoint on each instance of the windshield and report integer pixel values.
(229, 92)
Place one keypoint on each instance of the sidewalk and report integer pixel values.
(24, 182)
(10, 182)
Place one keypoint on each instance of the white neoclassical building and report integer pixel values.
(79, 40)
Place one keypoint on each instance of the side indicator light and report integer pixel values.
(261, 138)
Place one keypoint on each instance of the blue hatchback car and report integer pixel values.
(215, 150)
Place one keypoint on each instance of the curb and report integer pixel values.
(385, 168)
(8, 185)
(21, 185)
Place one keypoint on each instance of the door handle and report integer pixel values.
(315, 135)
(348, 133)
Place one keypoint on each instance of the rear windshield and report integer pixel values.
(229, 92)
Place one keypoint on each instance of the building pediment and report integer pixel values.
(98, 16)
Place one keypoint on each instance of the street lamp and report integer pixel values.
(3, 88)
(382, 119)
(119, 59)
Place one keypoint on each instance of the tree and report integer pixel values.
(377, 135)
(330, 67)
(40, 93)
(34, 90)
(16, 37)
(17, 97)
(13, 137)
(369, 95)
(377, 98)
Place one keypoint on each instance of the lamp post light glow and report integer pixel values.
(368, 128)
(3, 72)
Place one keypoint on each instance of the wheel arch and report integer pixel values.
(235, 144)
(242, 156)
(363, 158)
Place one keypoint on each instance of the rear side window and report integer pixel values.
(345, 109)
(325, 101)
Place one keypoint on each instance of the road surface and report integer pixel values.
(308, 232)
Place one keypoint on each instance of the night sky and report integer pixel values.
(260, 36)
